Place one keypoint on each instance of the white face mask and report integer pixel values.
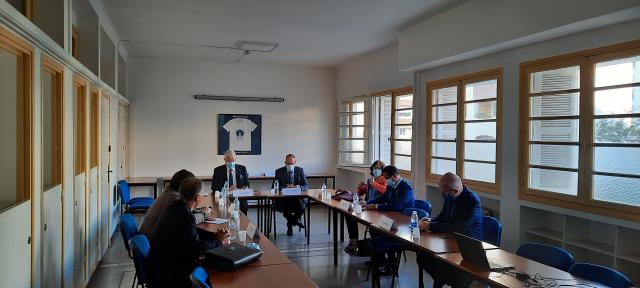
(290, 168)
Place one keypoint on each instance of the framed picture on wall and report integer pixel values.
(241, 133)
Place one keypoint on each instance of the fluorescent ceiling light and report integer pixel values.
(256, 46)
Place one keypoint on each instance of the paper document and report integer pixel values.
(217, 221)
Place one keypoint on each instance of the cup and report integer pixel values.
(242, 235)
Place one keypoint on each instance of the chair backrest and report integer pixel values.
(128, 229)
(422, 204)
(421, 213)
(601, 274)
(200, 278)
(546, 254)
(140, 247)
(491, 230)
(123, 191)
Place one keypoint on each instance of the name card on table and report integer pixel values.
(313, 193)
(217, 194)
(344, 205)
(292, 191)
(242, 193)
(385, 222)
(251, 230)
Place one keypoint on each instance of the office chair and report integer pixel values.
(601, 274)
(546, 254)
(140, 247)
(200, 278)
(491, 230)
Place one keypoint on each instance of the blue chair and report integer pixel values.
(200, 278)
(601, 274)
(128, 229)
(132, 204)
(421, 213)
(140, 247)
(546, 254)
(491, 230)
(422, 204)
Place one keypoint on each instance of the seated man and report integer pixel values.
(236, 174)
(399, 195)
(460, 213)
(176, 247)
(166, 198)
(292, 208)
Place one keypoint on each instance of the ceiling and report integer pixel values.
(309, 32)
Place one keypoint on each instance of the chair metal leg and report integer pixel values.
(135, 276)
(396, 268)
(420, 276)
(275, 230)
(404, 252)
(328, 221)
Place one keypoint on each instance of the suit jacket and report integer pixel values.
(220, 176)
(282, 176)
(166, 198)
(395, 198)
(175, 247)
(462, 214)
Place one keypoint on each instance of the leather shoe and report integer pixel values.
(387, 271)
(289, 230)
(299, 224)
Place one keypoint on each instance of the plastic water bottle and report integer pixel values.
(233, 226)
(414, 219)
(356, 200)
(371, 193)
(236, 204)
(324, 191)
(225, 191)
(276, 187)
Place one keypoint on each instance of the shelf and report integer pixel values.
(546, 233)
(593, 245)
(630, 258)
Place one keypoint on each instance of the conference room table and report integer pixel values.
(325, 176)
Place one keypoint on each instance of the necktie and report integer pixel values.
(290, 177)
(231, 178)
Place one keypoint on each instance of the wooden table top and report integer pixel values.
(500, 279)
(270, 276)
(257, 177)
(141, 180)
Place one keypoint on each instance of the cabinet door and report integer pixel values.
(15, 246)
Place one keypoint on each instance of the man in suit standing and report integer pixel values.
(236, 174)
(291, 176)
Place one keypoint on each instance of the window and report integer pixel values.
(16, 114)
(80, 124)
(93, 117)
(354, 132)
(51, 123)
(463, 134)
(393, 131)
(581, 126)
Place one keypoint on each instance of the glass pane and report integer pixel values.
(480, 172)
(358, 106)
(404, 116)
(562, 182)
(480, 110)
(9, 128)
(618, 130)
(555, 105)
(344, 119)
(402, 162)
(480, 131)
(565, 130)
(481, 90)
(621, 71)
(444, 131)
(404, 101)
(616, 189)
(47, 129)
(351, 145)
(443, 149)
(344, 132)
(403, 132)
(344, 107)
(617, 101)
(445, 95)
(623, 160)
(357, 119)
(357, 132)
(440, 166)
(352, 158)
(402, 147)
(562, 156)
(480, 151)
(445, 113)
(554, 80)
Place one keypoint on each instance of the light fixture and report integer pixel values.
(256, 46)
(238, 98)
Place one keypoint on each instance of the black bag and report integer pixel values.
(364, 250)
(231, 256)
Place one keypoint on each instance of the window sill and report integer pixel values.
(362, 170)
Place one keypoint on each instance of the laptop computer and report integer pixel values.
(473, 252)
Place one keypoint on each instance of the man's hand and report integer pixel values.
(232, 187)
(222, 234)
(371, 206)
(424, 224)
(291, 186)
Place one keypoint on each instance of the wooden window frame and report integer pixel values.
(25, 113)
(80, 126)
(395, 93)
(460, 82)
(57, 115)
(75, 34)
(366, 126)
(94, 144)
(586, 60)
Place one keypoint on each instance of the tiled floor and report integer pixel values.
(316, 259)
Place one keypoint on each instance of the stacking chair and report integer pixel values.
(422, 204)
(601, 274)
(200, 278)
(546, 254)
(128, 229)
(491, 230)
(140, 247)
(129, 204)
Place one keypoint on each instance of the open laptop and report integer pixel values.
(473, 252)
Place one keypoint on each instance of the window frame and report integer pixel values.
(587, 61)
(80, 125)
(395, 93)
(49, 65)
(367, 129)
(460, 83)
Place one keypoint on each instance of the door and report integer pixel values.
(79, 193)
(92, 207)
(105, 172)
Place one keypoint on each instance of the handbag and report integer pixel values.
(343, 195)
(231, 256)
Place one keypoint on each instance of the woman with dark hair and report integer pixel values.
(168, 196)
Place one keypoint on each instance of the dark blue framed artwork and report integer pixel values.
(241, 133)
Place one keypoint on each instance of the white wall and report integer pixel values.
(170, 130)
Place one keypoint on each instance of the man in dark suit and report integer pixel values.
(175, 246)
(235, 173)
(461, 213)
(292, 208)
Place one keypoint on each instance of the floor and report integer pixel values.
(316, 259)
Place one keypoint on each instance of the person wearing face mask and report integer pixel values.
(291, 176)
(236, 174)
(461, 213)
